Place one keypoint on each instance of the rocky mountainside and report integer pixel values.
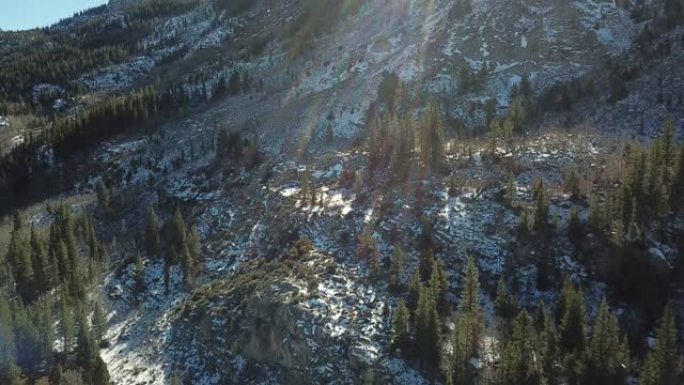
(269, 127)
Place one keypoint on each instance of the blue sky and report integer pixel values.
(27, 14)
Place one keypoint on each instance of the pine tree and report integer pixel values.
(43, 271)
(27, 339)
(667, 142)
(462, 340)
(19, 257)
(139, 278)
(547, 343)
(329, 134)
(466, 337)
(505, 308)
(178, 239)
(397, 267)
(9, 372)
(414, 292)
(650, 372)
(306, 188)
(428, 330)
(525, 86)
(470, 297)
(427, 261)
(573, 324)
(574, 226)
(62, 232)
(663, 368)
(541, 213)
(103, 195)
(572, 184)
(519, 363)
(432, 138)
(524, 224)
(604, 358)
(99, 322)
(400, 326)
(61, 256)
(440, 287)
(93, 244)
(192, 256)
(564, 299)
(374, 265)
(152, 233)
(44, 322)
(677, 186)
(100, 372)
(86, 347)
(67, 326)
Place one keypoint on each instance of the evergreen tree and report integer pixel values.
(605, 359)
(27, 339)
(152, 233)
(397, 267)
(414, 292)
(400, 326)
(44, 322)
(541, 213)
(463, 340)
(139, 278)
(564, 299)
(100, 372)
(661, 366)
(573, 324)
(329, 134)
(178, 239)
(103, 195)
(192, 256)
(43, 271)
(667, 143)
(86, 347)
(525, 86)
(505, 308)
(524, 224)
(61, 256)
(99, 322)
(575, 226)
(470, 297)
(547, 343)
(440, 287)
(519, 363)
(93, 245)
(572, 184)
(428, 330)
(466, 338)
(19, 257)
(432, 138)
(677, 187)
(650, 372)
(309, 188)
(9, 372)
(67, 325)
(427, 261)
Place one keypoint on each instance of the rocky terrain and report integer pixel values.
(282, 295)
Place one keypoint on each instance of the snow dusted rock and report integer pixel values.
(41, 92)
(291, 321)
(659, 260)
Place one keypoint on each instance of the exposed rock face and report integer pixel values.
(269, 318)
